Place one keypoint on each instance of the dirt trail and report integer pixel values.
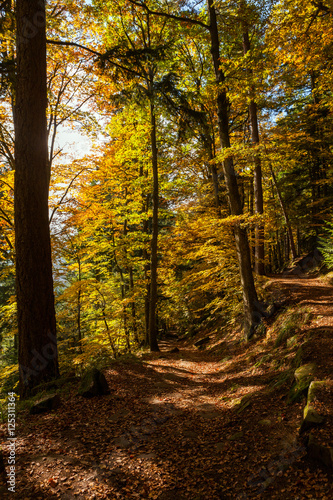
(316, 294)
(313, 292)
(173, 428)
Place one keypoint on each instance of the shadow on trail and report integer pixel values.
(143, 438)
(168, 429)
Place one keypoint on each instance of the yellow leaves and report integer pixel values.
(9, 372)
(6, 214)
(239, 152)
(202, 246)
(299, 37)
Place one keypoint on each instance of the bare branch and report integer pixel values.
(98, 54)
(5, 217)
(65, 194)
(171, 16)
(74, 44)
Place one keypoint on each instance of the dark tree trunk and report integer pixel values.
(79, 293)
(38, 356)
(79, 333)
(278, 249)
(252, 311)
(154, 240)
(285, 215)
(208, 142)
(298, 241)
(258, 192)
(251, 230)
(258, 195)
(133, 308)
(114, 350)
(146, 272)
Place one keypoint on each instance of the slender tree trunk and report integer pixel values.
(123, 296)
(79, 332)
(270, 266)
(252, 310)
(209, 146)
(215, 180)
(258, 196)
(286, 247)
(285, 214)
(298, 241)
(258, 192)
(147, 295)
(146, 272)
(133, 308)
(38, 355)
(114, 350)
(251, 230)
(278, 248)
(145, 208)
(154, 240)
(79, 318)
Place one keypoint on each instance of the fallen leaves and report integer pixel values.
(153, 437)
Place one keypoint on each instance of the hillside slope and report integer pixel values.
(213, 423)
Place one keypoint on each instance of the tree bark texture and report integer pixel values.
(252, 312)
(38, 356)
(257, 177)
(154, 240)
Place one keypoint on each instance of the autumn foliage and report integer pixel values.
(137, 155)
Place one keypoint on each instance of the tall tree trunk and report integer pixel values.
(133, 308)
(252, 310)
(278, 250)
(114, 350)
(38, 355)
(285, 214)
(208, 142)
(154, 240)
(146, 259)
(79, 293)
(258, 195)
(258, 192)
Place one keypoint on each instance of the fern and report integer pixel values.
(326, 245)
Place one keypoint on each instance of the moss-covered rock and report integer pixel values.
(311, 417)
(54, 384)
(305, 374)
(303, 378)
(244, 403)
(46, 404)
(93, 384)
(45, 387)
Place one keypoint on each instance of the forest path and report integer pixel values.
(316, 295)
(313, 292)
(194, 424)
